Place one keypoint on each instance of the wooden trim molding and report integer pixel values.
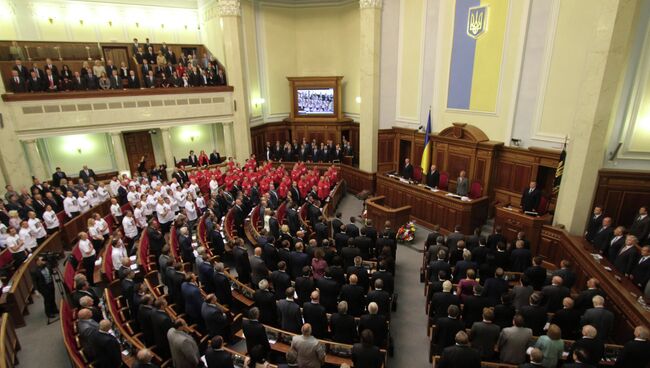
(44, 96)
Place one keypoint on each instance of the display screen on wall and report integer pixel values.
(315, 101)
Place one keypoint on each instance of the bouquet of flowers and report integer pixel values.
(406, 233)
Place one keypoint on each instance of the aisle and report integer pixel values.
(408, 324)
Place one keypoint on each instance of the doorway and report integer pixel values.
(119, 55)
(138, 144)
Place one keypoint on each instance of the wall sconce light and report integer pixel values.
(137, 25)
(258, 101)
(51, 20)
(192, 138)
(358, 99)
(186, 27)
(79, 150)
(110, 23)
(81, 21)
(162, 25)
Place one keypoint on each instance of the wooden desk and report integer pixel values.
(513, 220)
(9, 345)
(434, 208)
(379, 213)
(557, 244)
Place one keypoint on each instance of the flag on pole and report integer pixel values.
(425, 163)
(559, 170)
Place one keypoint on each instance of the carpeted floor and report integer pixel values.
(42, 345)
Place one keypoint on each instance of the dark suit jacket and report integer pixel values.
(329, 292)
(304, 286)
(625, 262)
(107, 350)
(534, 318)
(446, 330)
(440, 302)
(289, 316)
(222, 288)
(343, 328)
(615, 247)
(595, 350)
(593, 226)
(458, 356)
(484, 337)
(601, 238)
(407, 172)
(520, 260)
(433, 179)
(377, 324)
(634, 354)
(641, 272)
(316, 316)
(568, 321)
(265, 301)
(530, 200)
(473, 309)
(86, 177)
(145, 323)
(218, 358)
(553, 296)
(256, 335)
(214, 318)
(17, 87)
(602, 319)
(640, 229)
(242, 265)
(134, 82)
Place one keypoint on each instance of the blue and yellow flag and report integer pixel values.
(425, 163)
(476, 56)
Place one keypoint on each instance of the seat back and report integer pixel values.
(67, 330)
(543, 205)
(107, 265)
(282, 212)
(417, 174)
(110, 222)
(62, 218)
(174, 249)
(201, 230)
(68, 277)
(444, 181)
(255, 216)
(143, 252)
(475, 190)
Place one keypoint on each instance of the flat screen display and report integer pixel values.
(315, 101)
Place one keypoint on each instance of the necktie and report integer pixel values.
(642, 259)
(17, 81)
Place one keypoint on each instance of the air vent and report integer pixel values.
(33, 110)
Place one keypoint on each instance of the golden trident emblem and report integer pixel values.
(477, 21)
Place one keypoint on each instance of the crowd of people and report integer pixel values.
(477, 315)
(160, 68)
(308, 151)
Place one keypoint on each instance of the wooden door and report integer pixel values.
(139, 144)
(119, 55)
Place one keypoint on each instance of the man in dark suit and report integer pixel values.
(21, 69)
(441, 301)
(599, 317)
(255, 332)
(567, 319)
(520, 258)
(565, 272)
(193, 159)
(304, 286)
(641, 271)
(116, 81)
(86, 174)
(554, 294)
(329, 291)
(91, 81)
(34, 82)
(446, 329)
(215, 158)
(215, 356)
(636, 353)
(376, 323)
(380, 297)
(289, 315)
(530, 197)
(17, 84)
(473, 306)
(78, 82)
(485, 334)
(534, 314)
(265, 302)
(354, 295)
(460, 355)
(192, 298)
(214, 319)
(641, 225)
(342, 325)
(496, 238)
(242, 263)
(133, 80)
(584, 299)
(616, 243)
(592, 348)
(107, 349)
(150, 80)
(44, 283)
(595, 223)
(314, 314)
(536, 274)
(628, 256)
(433, 177)
(407, 170)
(145, 310)
(221, 285)
(360, 270)
(281, 280)
(603, 236)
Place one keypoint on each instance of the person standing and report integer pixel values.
(43, 282)
(306, 351)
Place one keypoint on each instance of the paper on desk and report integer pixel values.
(133, 266)
(272, 341)
(133, 258)
(125, 352)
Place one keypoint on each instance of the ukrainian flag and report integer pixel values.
(477, 52)
(425, 163)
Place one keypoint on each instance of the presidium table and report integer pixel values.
(428, 206)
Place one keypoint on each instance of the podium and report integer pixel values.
(513, 220)
(379, 213)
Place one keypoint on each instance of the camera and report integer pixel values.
(51, 259)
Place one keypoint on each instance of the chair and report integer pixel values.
(67, 329)
(475, 190)
(107, 265)
(443, 184)
(282, 212)
(543, 205)
(417, 174)
(63, 218)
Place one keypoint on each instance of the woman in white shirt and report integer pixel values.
(36, 227)
(96, 237)
(180, 196)
(71, 206)
(173, 203)
(190, 211)
(116, 211)
(14, 219)
(88, 255)
(200, 203)
(93, 197)
(267, 218)
(101, 225)
(51, 221)
(16, 247)
(117, 254)
(138, 214)
(26, 235)
(3, 236)
(84, 203)
(214, 186)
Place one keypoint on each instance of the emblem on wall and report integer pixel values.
(477, 21)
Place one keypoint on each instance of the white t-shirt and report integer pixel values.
(70, 205)
(93, 197)
(36, 226)
(174, 204)
(12, 241)
(116, 210)
(214, 186)
(161, 212)
(51, 221)
(113, 186)
(130, 229)
(102, 226)
(116, 256)
(200, 202)
(133, 198)
(86, 248)
(190, 210)
(29, 240)
(140, 218)
(84, 204)
(103, 194)
(95, 232)
(180, 197)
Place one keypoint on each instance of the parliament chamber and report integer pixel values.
(325, 183)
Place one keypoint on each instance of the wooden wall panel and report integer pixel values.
(386, 151)
(622, 192)
(358, 180)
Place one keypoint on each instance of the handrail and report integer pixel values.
(9, 344)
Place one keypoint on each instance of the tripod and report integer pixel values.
(58, 285)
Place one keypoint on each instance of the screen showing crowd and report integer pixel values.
(315, 101)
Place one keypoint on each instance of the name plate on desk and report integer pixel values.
(453, 195)
(531, 213)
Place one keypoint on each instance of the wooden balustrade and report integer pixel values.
(9, 344)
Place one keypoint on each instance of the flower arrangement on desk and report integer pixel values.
(406, 233)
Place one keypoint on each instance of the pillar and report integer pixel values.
(167, 147)
(35, 161)
(228, 139)
(587, 140)
(120, 153)
(230, 12)
(370, 43)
